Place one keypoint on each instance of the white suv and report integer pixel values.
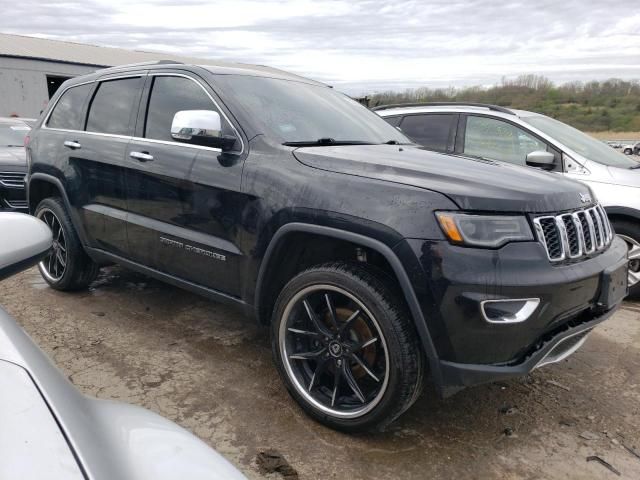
(526, 138)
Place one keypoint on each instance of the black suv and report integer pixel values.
(375, 262)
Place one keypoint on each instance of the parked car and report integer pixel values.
(367, 256)
(50, 430)
(526, 138)
(627, 149)
(13, 165)
(636, 148)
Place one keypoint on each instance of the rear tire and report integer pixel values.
(318, 336)
(67, 267)
(630, 233)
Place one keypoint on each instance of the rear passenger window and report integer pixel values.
(434, 131)
(112, 106)
(168, 96)
(67, 113)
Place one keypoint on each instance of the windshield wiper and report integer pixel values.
(321, 142)
(635, 167)
(15, 145)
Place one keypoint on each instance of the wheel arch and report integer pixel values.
(41, 186)
(623, 213)
(277, 248)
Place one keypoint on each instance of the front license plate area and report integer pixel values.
(614, 286)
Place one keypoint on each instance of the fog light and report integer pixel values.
(508, 311)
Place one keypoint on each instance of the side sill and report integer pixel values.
(101, 256)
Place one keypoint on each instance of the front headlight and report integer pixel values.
(490, 231)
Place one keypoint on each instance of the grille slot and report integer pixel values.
(574, 235)
(586, 232)
(16, 204)
(12, 179)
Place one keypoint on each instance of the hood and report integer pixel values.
(13, 156)
(625, 176)
(473, 184)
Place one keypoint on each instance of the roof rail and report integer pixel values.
(495, 108)
(141, 64)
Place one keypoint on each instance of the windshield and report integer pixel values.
(581, 143)
(12, 135)
(291, 111)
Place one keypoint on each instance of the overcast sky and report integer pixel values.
(363, 45)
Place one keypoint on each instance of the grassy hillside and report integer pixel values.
(612, 105)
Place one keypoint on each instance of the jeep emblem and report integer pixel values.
(585, 198)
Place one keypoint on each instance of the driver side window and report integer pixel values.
(498, 140)
(169, 95)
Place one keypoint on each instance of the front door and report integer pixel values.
(497, 139)
(179, 195)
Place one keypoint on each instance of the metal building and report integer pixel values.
(32, 69)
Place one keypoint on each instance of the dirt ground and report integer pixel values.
(207, 368)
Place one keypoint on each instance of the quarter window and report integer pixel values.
(67, 113)
(394, 121)
(432, 131)
(491, 138)
(112, 106)
(170, 95)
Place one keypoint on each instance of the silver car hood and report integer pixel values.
(110, 440)
(624, 176)
(13, 156)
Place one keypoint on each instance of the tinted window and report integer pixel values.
(395, 121)
(432, 131)
(168, 96)
(490, 138)
(67, 113)
(112, 106)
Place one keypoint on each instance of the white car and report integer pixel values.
(49, 430)
(527, 138)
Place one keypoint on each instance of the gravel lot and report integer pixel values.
(207, 368)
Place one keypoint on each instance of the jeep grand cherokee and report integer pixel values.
(375, 262)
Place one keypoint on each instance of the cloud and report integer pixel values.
(363, 45)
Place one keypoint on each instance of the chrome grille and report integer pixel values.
(12, 179)
(574, 235)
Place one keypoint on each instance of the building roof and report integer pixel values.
(92, 55)
(21, 46)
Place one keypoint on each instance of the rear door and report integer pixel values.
(97, 158)
(181, 196)
(87, 131)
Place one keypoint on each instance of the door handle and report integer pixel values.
(72, 144)
(141, 156)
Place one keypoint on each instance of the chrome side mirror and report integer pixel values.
(25, 240)
(541, 159)
(200, 127)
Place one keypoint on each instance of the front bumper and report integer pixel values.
(551, 349)
(453, 282)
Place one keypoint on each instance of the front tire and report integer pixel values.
(630, 233)
(345, 347)
(67, 266)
